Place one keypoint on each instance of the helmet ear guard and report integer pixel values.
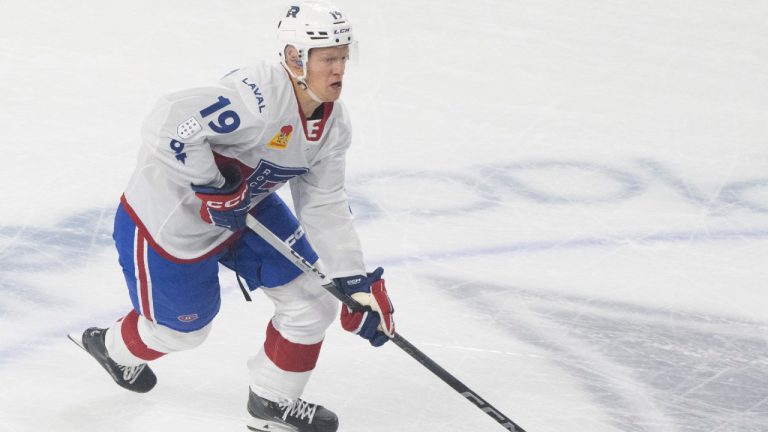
(293, 57)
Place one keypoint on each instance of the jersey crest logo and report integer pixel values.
(189, 128)
(280, 141)
(266, 176)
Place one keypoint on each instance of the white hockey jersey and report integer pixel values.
(251, 118)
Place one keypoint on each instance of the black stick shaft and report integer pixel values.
(435, 368)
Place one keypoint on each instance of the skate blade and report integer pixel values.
(261, 425)
(77, 339)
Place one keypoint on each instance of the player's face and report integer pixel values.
(325, 70)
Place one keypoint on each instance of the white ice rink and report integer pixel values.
(570, 199)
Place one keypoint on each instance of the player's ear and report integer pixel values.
(292, 59)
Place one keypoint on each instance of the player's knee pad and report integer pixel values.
(326, 310)
(303, 310)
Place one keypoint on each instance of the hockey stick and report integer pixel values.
(307, 267)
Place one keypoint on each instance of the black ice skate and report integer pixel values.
(299, 416)
(139, 378)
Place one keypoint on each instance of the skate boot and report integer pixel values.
(298, 416)
(139, 378)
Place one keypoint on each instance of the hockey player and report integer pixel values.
(209, 157)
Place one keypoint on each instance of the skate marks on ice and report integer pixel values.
(36, 305)
(647, 369)
(28, 249)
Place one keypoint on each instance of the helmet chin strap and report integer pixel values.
(302, 81)
(303, 84)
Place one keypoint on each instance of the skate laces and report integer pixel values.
(131, 373)
(299, 409)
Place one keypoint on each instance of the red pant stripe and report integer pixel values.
(129, 330)
(143, 276)
(290, 356)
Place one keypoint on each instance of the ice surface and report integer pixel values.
(570, 200)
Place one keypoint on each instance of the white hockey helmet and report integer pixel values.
(312, 24)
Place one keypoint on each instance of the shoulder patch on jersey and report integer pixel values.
(280, 141)
(189, 128)
(178, 148)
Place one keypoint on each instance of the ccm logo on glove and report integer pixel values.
(234, 202)
(225, 206)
